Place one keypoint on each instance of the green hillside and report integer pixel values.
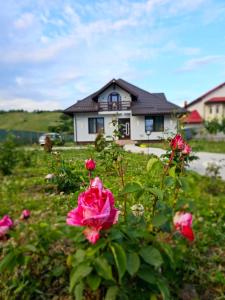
(30, 121)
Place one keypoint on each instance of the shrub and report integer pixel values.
(9, 155)
(100, 142)
(48, 144)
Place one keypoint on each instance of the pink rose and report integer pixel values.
(25, 214)
(177, 143)
(5, 224)
(90, 164)
(187, 149)
(183, 223)
(95, 210)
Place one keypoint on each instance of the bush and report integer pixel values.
(100, 142)
(9, 156)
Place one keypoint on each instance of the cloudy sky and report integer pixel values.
(54, 52)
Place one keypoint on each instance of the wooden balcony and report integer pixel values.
(114, 106)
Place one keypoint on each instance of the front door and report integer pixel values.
(124, 128)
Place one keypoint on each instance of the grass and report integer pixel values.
(197, 146)
(28, 121)
(204, 264)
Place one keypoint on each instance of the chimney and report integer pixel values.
(185, 104)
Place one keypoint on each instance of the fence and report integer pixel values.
(27, 137)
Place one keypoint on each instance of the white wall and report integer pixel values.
(202, 108)
(104, 96)
(138, 128)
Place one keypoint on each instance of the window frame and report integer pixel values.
(95, 120)
(154, 122)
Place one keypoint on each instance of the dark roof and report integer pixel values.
(143, 102)
(216, 100)
(206, 94)
(193, 118)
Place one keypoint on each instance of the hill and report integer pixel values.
(29, 121)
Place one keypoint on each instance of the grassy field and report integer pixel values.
(201, 145)
(28, 121)
(203, 264)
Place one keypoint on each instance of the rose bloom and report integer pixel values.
(25, 214)
(90, 164)
(177, 143)
(49, 176)
(183, 223)
(187, 149)
(95, 210)
(5, 224)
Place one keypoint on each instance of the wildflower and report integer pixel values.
(5, 224)
(25, 214)
(183, 223)
(177, 143)
(95, 210)
(137, 210)
(49, 176)
(90, 164)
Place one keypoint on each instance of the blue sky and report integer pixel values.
(54, 52)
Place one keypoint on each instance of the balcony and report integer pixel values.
(114, 106)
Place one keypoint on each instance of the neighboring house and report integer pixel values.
(210, 105)
(193, 120)
(138, 113)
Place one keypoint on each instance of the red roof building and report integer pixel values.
(193, 118)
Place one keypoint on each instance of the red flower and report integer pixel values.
(90, 164)
(187, 149)
(183, 223)
(177, 143)
(95, 210)
(25, 214)
(5, 224)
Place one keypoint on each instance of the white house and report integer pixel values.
(210, 105)
(141, 115)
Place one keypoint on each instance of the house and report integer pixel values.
(210, 105)
(193, 120)
(141, 115)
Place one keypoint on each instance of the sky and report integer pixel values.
(55, 52)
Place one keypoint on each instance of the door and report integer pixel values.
(124, 128)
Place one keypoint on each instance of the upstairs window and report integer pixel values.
(114, 97)
(95, 125)
(154, 123)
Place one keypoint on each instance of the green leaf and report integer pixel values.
(147, 274)
(30, 248)
(78, 273)
(103, 268)
(157, 192)
(93, 281)
(8, 262)
(79, 291)
(133, 263)
(164, 290)
(172, 172)
(159, 220)
(151, 162)
(112, 293)
(120, 259)
(58, 271)
(152, 256)
(79, 255)
(132, 187)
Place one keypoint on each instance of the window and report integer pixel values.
(95, 125)
(114, 97)
(154, 123)
(210, 109)
(217, 108)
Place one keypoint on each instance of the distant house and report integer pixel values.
(210, 105)
(141, 115)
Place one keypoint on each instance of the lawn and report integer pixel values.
(43, 244)
(197, 145)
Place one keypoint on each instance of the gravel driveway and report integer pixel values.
(199, 165)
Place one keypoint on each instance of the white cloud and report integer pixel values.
(24, 21)
(195, 63)
(28, 104)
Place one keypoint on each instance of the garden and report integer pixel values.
(101, 223)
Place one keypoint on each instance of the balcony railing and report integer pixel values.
(114, 106)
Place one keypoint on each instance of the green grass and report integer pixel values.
(197, 146)
(28, 121)
(203, 265)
